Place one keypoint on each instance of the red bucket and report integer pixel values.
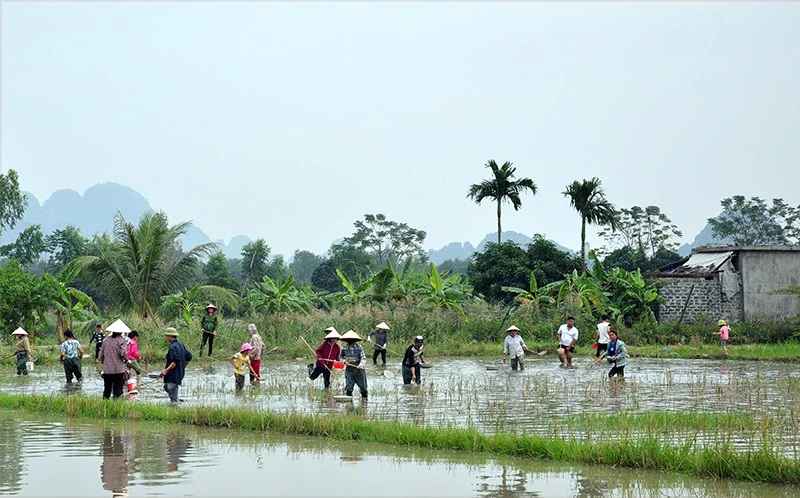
(133, 387)
(338, 365)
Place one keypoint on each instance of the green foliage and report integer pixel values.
(70, 304)
(12, 201)
(216, 272)
(458, 266)
(255, 256)
(445, 293)
(499, 265)
(144, 263)
(500, 188)
(530, 297)
(748, 222)
(642, 231)
(64, 246)
(303, 265)
(588, 198)
(189, 302)
(387, 241)
(548, 261)
(354, 262)
(324, 277)
(25, 298)
(28, 247)
(276, 296)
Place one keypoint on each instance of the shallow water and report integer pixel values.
(463, 393)
(47, 456)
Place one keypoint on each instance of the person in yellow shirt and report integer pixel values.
(239, 360)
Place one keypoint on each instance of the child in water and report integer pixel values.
(239, 360)
(724, 334)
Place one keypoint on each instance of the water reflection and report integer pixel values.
(114, 467)
(146, 458)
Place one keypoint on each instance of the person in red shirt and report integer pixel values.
(327, 353)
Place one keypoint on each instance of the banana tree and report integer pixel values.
(445, 293)
(274, 296)
(581, 290)
(532, 297)
(189, 302)
(70, 303)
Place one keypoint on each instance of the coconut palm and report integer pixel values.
(144, 263)
(588, 198)
(501, 187)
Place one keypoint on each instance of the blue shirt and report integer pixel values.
(180, 356)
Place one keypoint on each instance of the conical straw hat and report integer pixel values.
(331, 329)
(333, 335)
(350, 334)
(382, 326)
(19, 331)
(118, 327)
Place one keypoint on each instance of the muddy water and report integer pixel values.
(464, 393)
(46, 456)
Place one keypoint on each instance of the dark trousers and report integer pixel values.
(22, 367)
(615, 370)
(326, 375)
(207, 337)
(97, 350)
(601, 348)
(355, 376)
(377, 352)
(239, 381)
(72, 367)
(113, 382)
(407, 374)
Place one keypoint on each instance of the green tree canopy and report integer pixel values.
(64, 245)
(499, 265)
(501, 187)
(644, 230)
(752, 222)
(145, 263)
(28, 247)
(25, 297)
(548, 262)
(216, 272)
(303, 265)
(12, 201)
(386, 240)
(255, 255)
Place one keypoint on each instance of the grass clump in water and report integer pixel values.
(710, 458)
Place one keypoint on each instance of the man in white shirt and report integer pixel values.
(602, 335)
(514, 347)
(567, 338)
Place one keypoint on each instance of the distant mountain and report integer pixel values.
(94, 212)
(704, 238)
(459, 250)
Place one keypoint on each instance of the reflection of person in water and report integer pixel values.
(114, 469)
(177, 446)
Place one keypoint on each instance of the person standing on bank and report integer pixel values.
(209, 325)
(256, 353)
(114, 356)
(515, 348)
(602, 335)
(411, 362)
(381, 342)
(567, 338)
(97, 337)
(71, 354)
(353, 356)
(175, 364)
(22, 350)
(327, 352)
(616, 354)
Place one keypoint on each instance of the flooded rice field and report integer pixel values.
(485, 395)
(49, 456)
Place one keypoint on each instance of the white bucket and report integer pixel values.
(133, 387)
(29, 366)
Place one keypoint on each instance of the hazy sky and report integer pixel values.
(291, 121)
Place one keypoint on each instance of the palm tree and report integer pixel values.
(144, 263)
(502, 187)
(588, 198)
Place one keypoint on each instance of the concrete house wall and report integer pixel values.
(764, 272)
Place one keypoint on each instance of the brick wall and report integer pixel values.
(704, 299)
